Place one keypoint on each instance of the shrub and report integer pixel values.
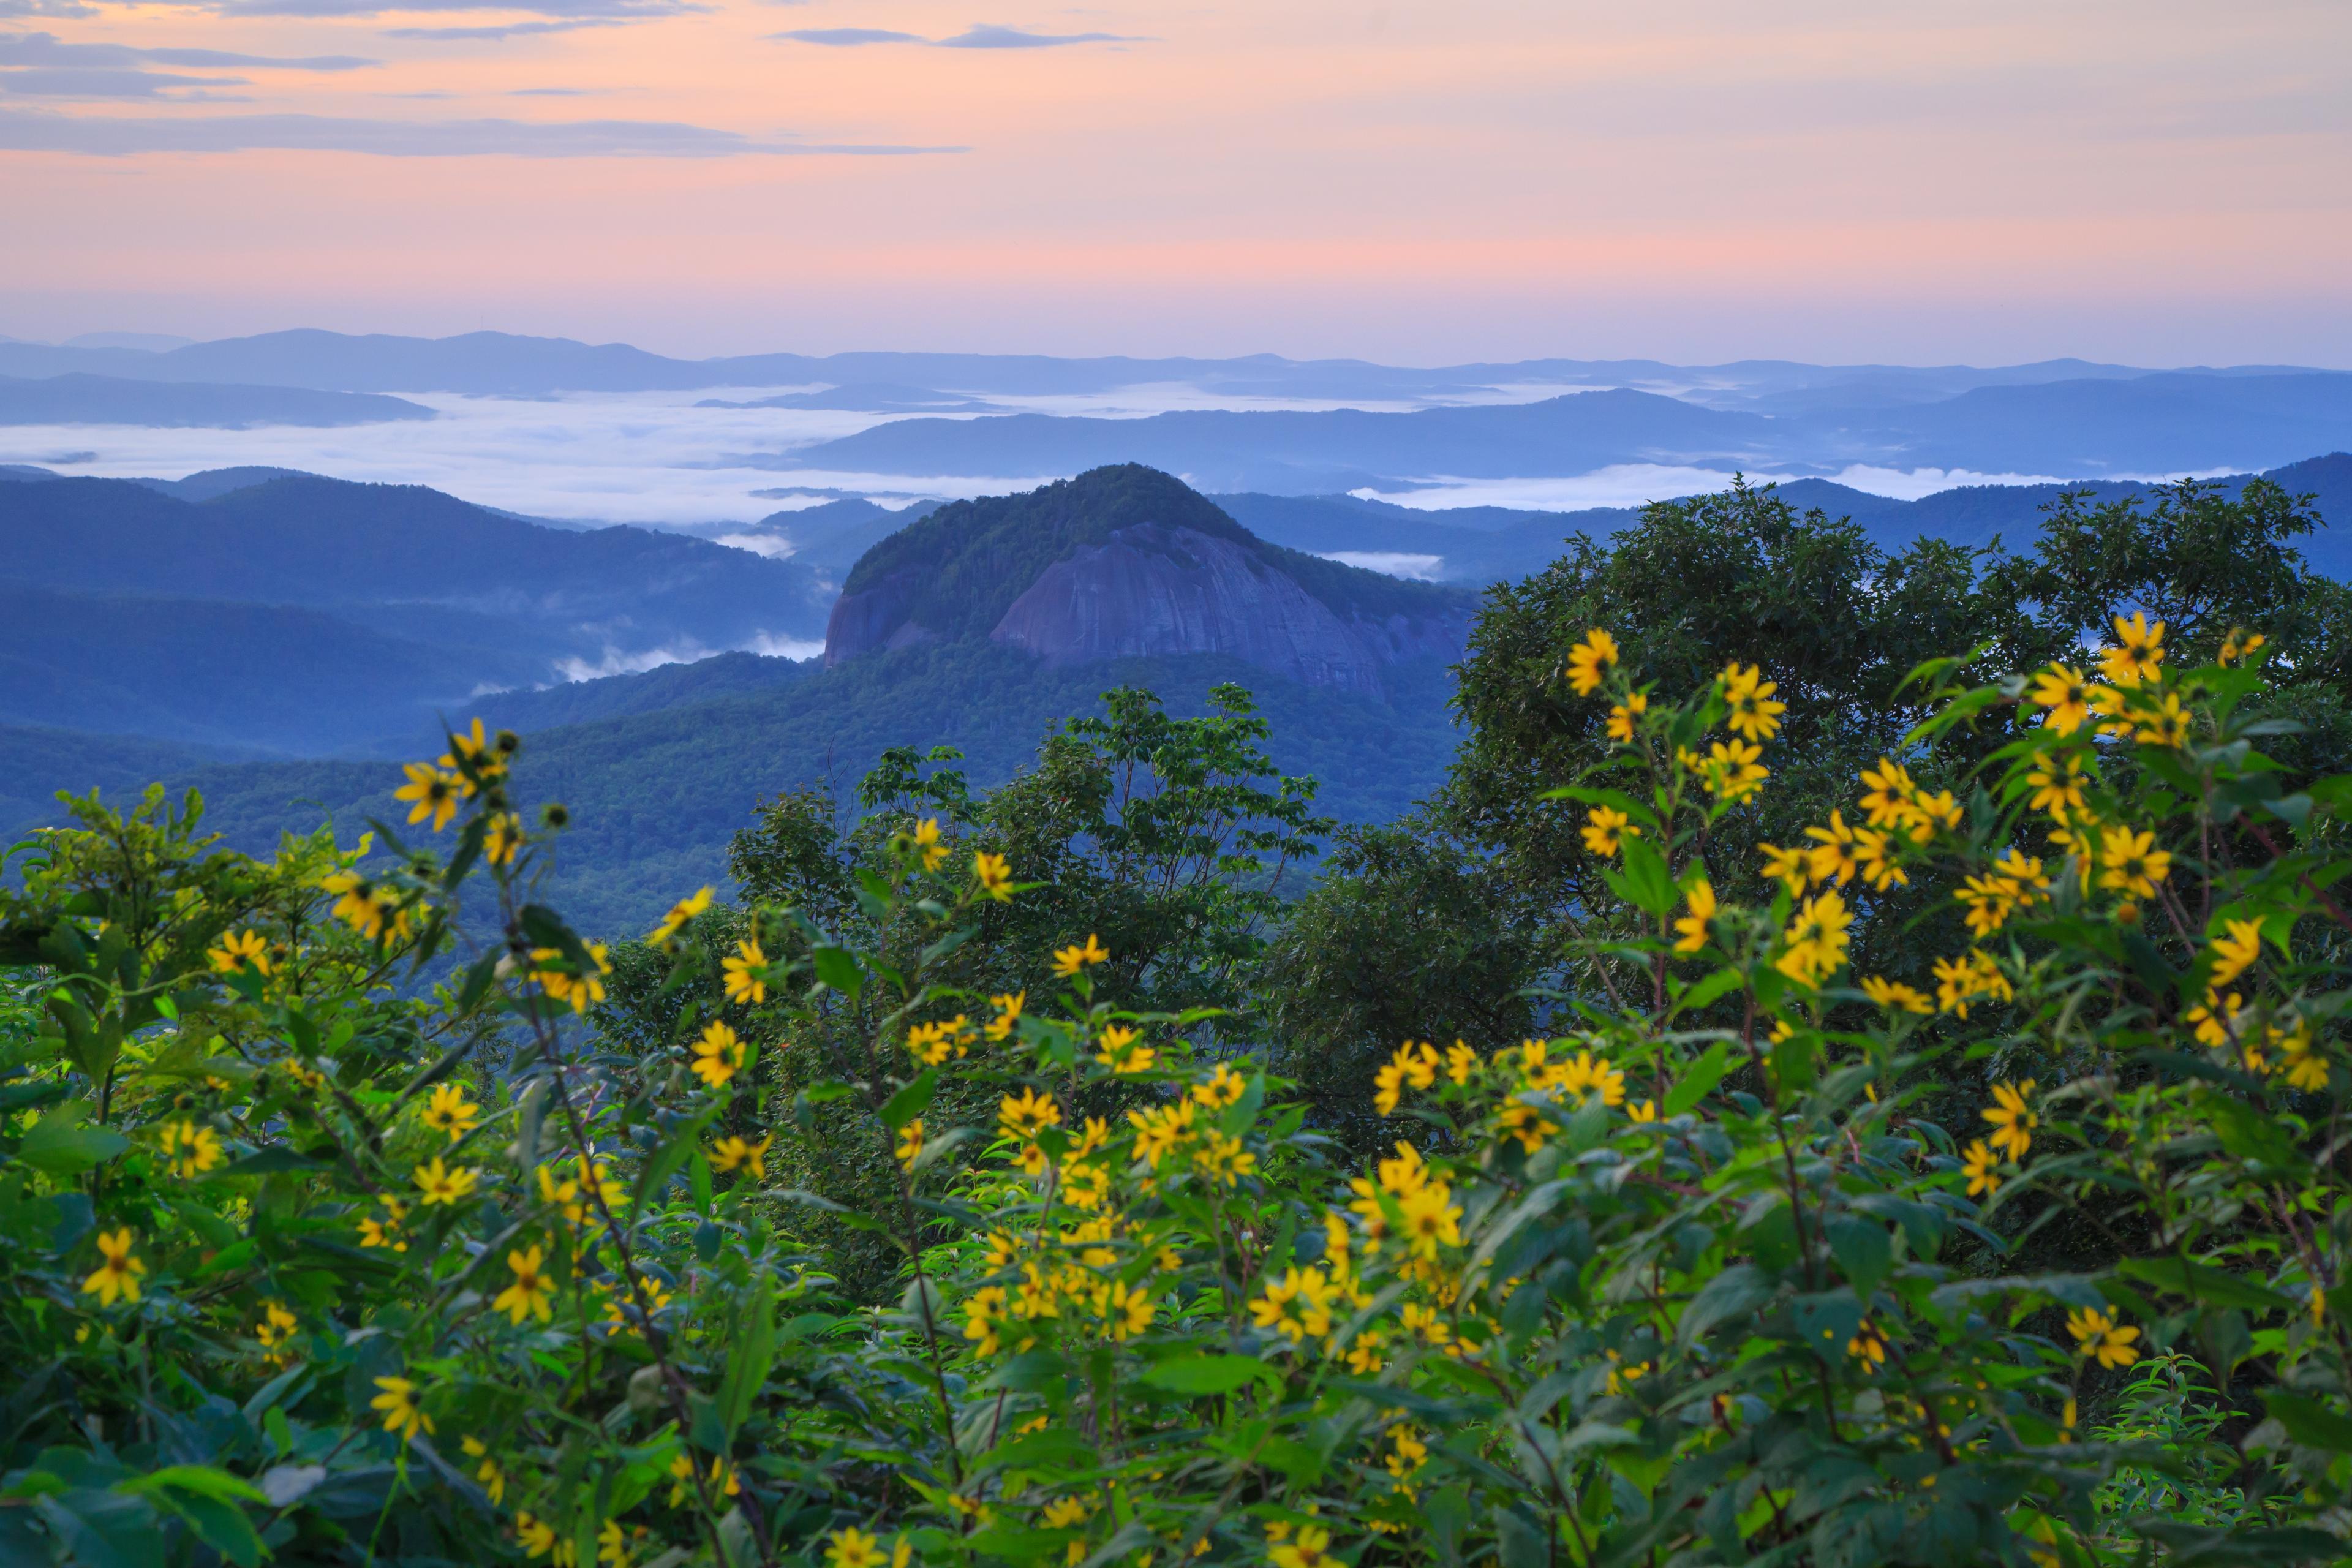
(309, 1258)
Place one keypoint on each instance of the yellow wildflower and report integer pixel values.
(532, 1290)
(1792, 868)
(117, 1272)
(2098, 1336)
(718, 1055)
(744, 975)
(994, 874)
(1603, 825)
(685, 909)
(240, 951)
(1754, 713)
(191, 1150)
(2139, 654)
(1413, 1064)
(1625, 716)
(444, 1186)
(2065, 693)
(2131, 863)
(1123, 1051)
(447, 1110)
(2234, 951)
(1068, 961)
(2239, 645)
(910, 1144)
(2013, 1120)
(1978, 1163)
(434, 792)
(1895, 997)
(1588, 658)
(1691, 929)
(402, 1413)
(1125, 1311)
(731, 1152)
(1008, 1014)
(385, 1232)
(1025, 1117)
(1733, 771)
(1816, 939)
(489, 1472)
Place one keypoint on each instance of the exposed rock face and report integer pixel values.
(1157, 590)
(1126, 561)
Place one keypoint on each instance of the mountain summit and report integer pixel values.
(1126, 561)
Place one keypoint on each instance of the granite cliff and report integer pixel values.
(1124, 561)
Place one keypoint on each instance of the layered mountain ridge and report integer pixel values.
(1124, 561)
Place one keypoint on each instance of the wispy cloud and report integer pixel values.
(500, 32)
(849, 38)
(989, 36)
(47, 49)
(47, 8)
(631, 10)
(29, 131)
(979, 36)
(82, 83)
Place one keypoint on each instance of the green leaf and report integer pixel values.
(59, 1143)
(1863, 1250)
(749, 1358)
(837, 967)
(1208, 1373)
(271, 1161)
(1738, 1290)
(2204, 1282)
(2308, 1422)
(1700, 1078)
(664, 1161)
(1647, 883)
(910, 1101)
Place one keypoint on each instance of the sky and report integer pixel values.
(2144, 181)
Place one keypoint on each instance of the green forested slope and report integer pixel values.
(654, 796)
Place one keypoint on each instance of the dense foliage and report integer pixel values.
(303, 1265)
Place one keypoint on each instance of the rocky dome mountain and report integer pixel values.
(1126, 561)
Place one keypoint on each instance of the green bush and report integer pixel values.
(308, 1259)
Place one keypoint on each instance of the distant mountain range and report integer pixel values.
(131, 610)
(82, 399)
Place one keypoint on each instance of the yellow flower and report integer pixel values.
(579, 992)
(931, 1044)
(1753, 712)
(2239, 645)
(1122, 1052)
(402, 1413)
(239, 950)
(926, 841)
(1587, 1074)
(1310, 1549)
(1732, 771)
(744, 979)
(730, 1152)
(1961, 981)
(277, 1325)
(2215, 1019)
(1297, 1306)
(1461, 1061)
(718, 1055)
(983, 1315)
(191, 1150)
(435, 792)
(2132, 864)
(680, 912)
(117, 1275)
(1692, 928)
(1790, 868)
(1412, 1064)
(1978, 1163)
(1868, 1347)
(1526, 1124)
(1623, 1377)
(472, 748)
(385, 1232)
(536, 1536)
(1027, 1116)
(994, 874)
(1588, 658)
(1221, 1160)
(504, 839)
(443, 1186)
(1895, 997)
(854, 1550)
(1225, 1087)
(2065, 692)
(1815, 942)
(612, 1545)
(447, 1110)
(2139, 654)
(1624, 717)
(2304, 1068)
(723, 1480)
(374, 912)
(493, 1479)
(1602, 827)
(2056, 780)
(1008, 1014)
(1643, 1112)
(2013, 1120)
(1432, 1219)
(1068, 961)
(532, 1290)
(2235, 950)
(910, 1144)
(2166, 725)
(2098, 1336)
(1126, 1312)
(1067, 1513)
